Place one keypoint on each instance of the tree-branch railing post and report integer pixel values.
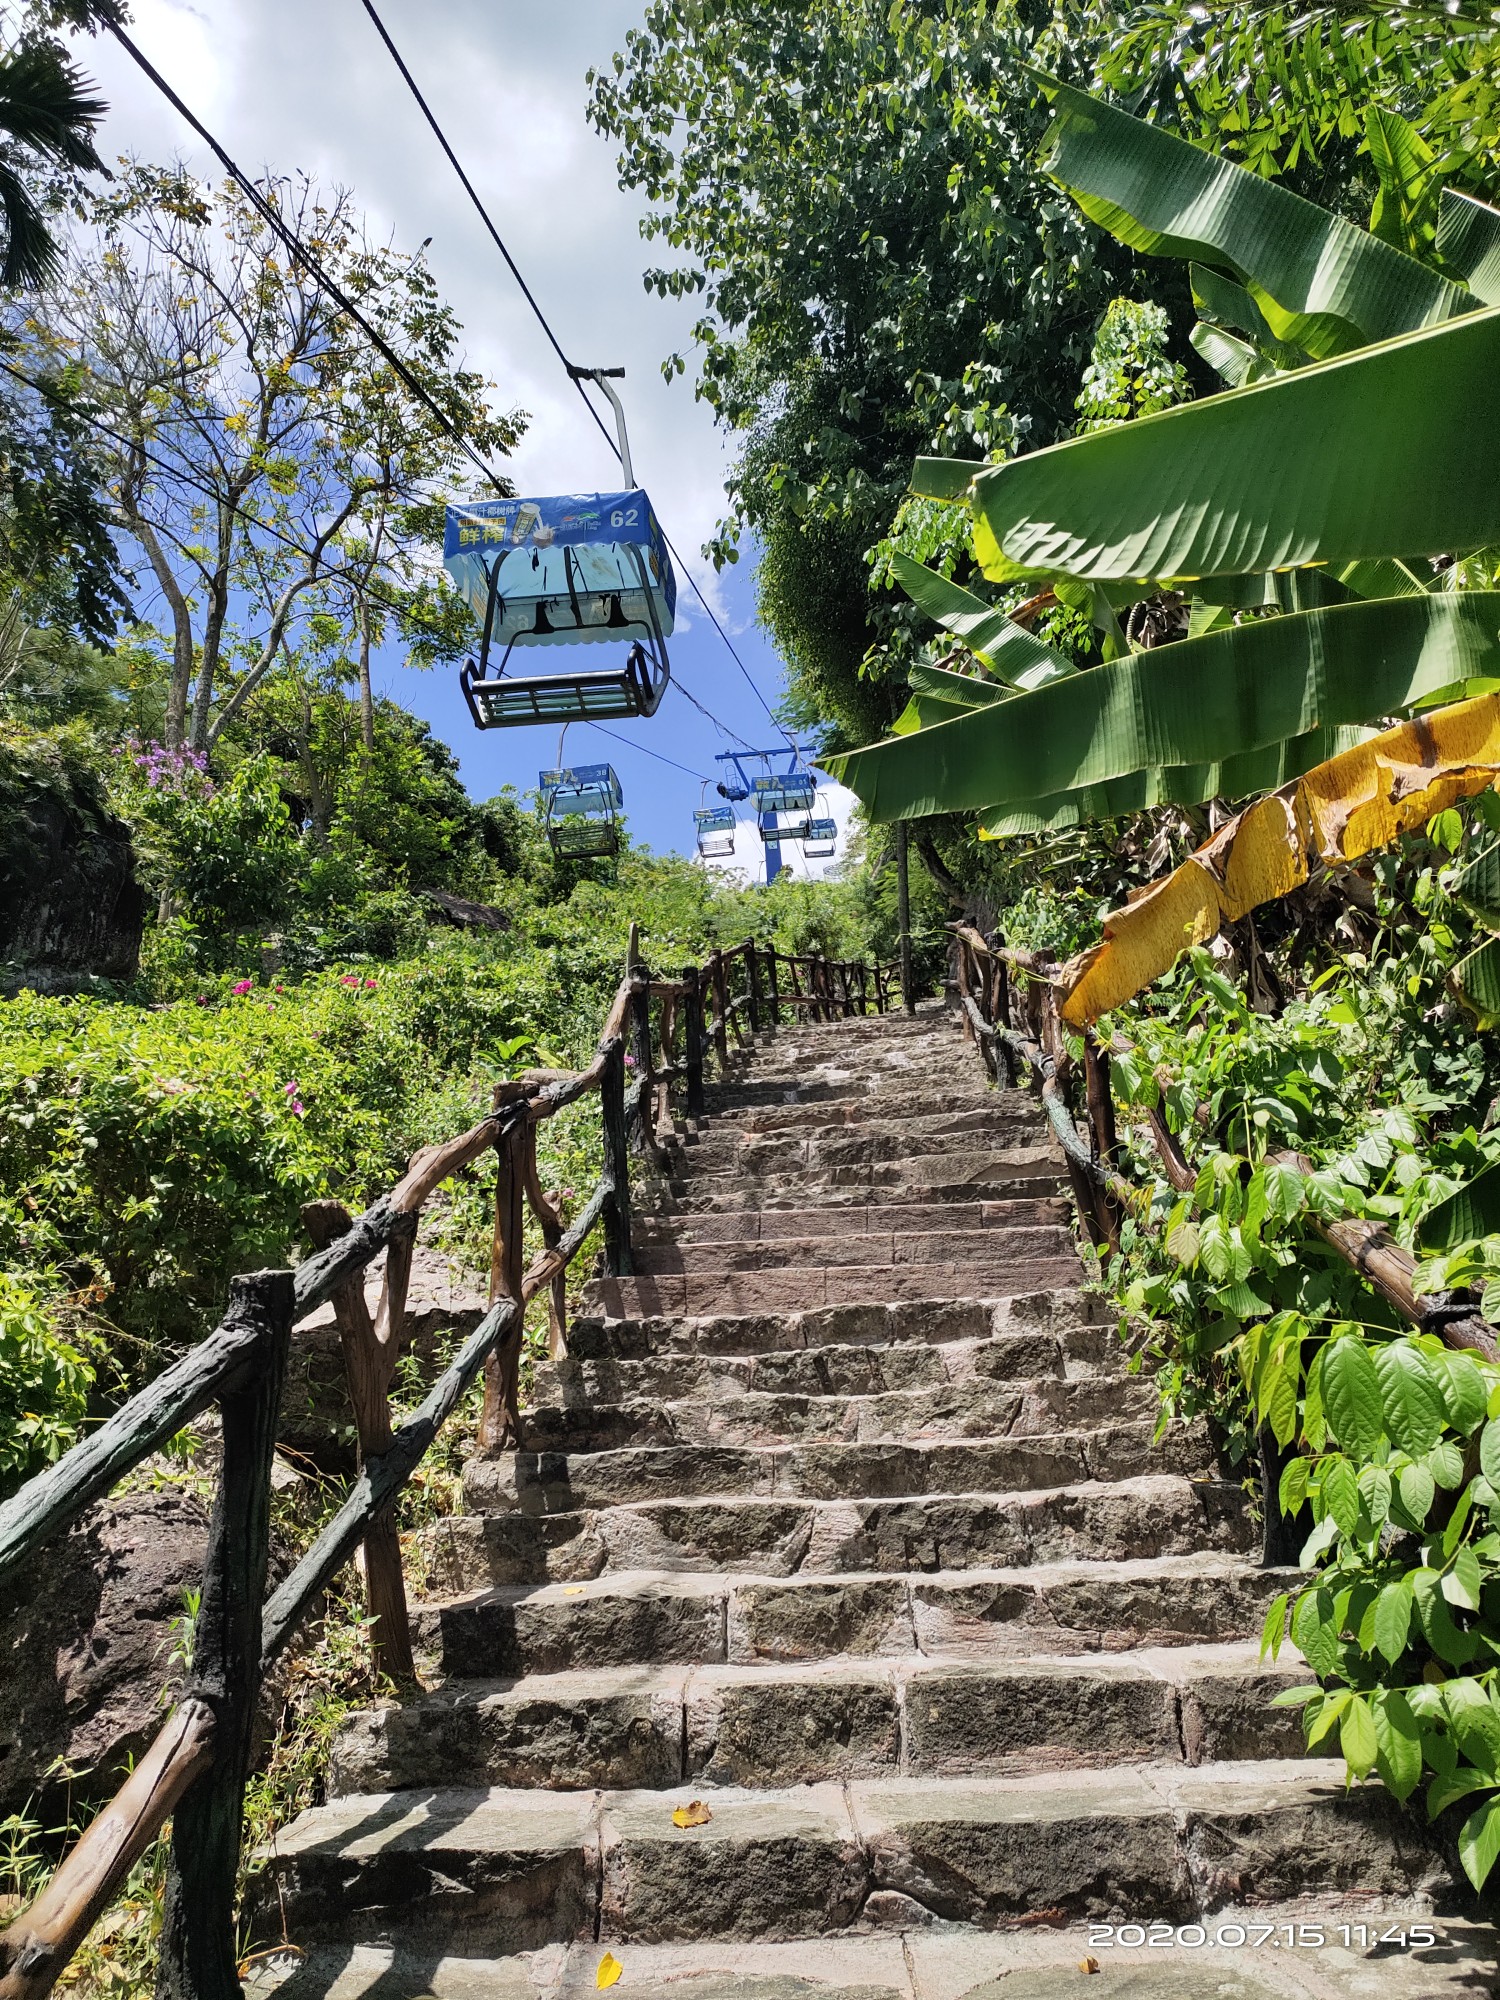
(500, 1419)
(720, 986)
(197, 1956)
(371, 1349)
(752, 975)
(617, 1257)
(692, 1039)
(773, 989)
(549, 1220)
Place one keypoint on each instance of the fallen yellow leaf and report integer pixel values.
(1088, 1965)
(694, 1814)
(609, 1971)
(573, 1590)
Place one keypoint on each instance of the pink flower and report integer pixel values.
(350, 979)
(202, 1000)
(298, 1110)
(630, 1062)
(243, 986)
(369, 982)
(290, 1088)
(281, 989)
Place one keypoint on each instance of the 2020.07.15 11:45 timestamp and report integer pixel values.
(1286, 1937)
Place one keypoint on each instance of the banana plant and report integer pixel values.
(1319, 506)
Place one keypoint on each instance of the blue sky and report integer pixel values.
(291, 86)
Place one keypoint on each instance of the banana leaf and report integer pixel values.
(1320, 281)
(1468, 238)
(944, 478)
(1007, 647)
(1175, 784)
(1230, 356)
(1388, 452)
(1364, 798)
(1197, 702)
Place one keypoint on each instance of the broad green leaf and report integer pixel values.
(1261, 770)
(1273, 1631)
(1452, 1645)
(1489, 1452)
(1418, 1490)
(1278, 1408)
(1340, 1494)
(1406, 166)
(983, 628)
(1319, 280)
(944, 478)
(1479, 1841)
(1379, 453)
(1357, 1737)
(1390, 1617)
(1229, 356)
(1477, 980)
(1464, 1391)
(1292, 1491)
(1375, 1490)
(1450, 1786)
(1462, 1583)
(1398, 1740)
(1321, 1717)
(1477, 887)
(1446, 1464)
(1414, 1413)
(1224, 303)
(1314, 1633)
(1351, 1395)
(1200, 701)
(1468, 241)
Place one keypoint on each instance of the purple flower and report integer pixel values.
(290, 1088)
(630, 1062)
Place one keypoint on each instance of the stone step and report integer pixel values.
(835, 1370)
(1058, 1313)
(839, 1191)
(994, 1248)
(768, 1225)
(766, 1726)
(721, 1152)
(1340, 1955)
(555, 1482)
(891, 1114)
(644, 1617)
(804, 1289)
(511, 1870)
(1152, 1514)
(956, 1408)
(898, 1099)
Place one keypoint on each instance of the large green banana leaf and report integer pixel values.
(1388, 452)
(1468, 238)
(1320, 281)
(1197, 702)
(1261, 770)
(1006, 647)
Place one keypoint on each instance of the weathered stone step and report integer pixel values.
(839, 1189)
(719, 1152)
(511, 1870)
(555, 1482)
(956, 1408)
(998, 1247)
(765, 1726)
(645, 1617)
(1155, 1514)
(949, 1962)
(895, 1099)
(1055, 1313)
(1010, 1120)
(805, 1288)
(773, 1225)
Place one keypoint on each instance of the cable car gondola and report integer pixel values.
(580, 808)
(820, 839)
(572, 569)
(715, 826)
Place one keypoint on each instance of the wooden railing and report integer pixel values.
(1009, 1003)
(657, 1033)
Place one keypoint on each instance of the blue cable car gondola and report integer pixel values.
(820, 839)
(573, 569)
(580, 811)
(715, 825)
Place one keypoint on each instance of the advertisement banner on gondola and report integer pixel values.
(558, 553)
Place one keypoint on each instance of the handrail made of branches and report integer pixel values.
(194, 1773)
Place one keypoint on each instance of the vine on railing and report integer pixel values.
(194, 1772)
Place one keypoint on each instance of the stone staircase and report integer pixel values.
(843, 1518)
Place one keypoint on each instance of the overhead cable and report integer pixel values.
(485, 217)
